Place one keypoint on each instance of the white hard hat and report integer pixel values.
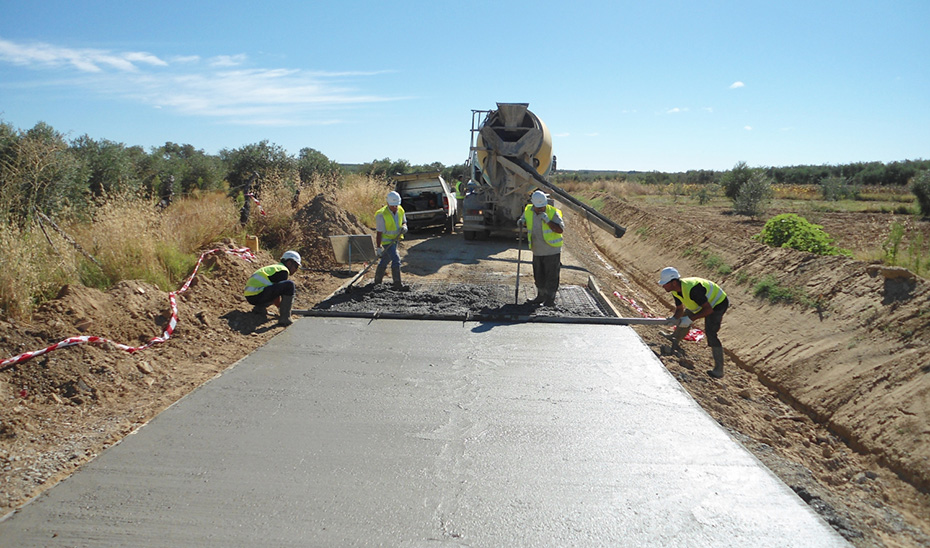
(393, 198)
(539, 199)
(292, 255)
(668, 274)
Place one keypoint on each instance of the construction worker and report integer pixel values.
(544, 226)
(390, 225)
(697, 298)
(270, 285)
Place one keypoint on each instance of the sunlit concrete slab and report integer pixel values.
(346, 432)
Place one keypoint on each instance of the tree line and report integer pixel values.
(43, 171)
(854, 174)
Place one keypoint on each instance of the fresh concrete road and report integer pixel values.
(345, 432)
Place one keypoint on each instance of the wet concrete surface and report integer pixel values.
(350, 432)
(459, 299)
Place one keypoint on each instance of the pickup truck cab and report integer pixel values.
(427, 199)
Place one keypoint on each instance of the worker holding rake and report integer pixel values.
(544, 227)
(697, 298)
(391, 225)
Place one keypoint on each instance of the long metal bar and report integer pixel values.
(502, 318)
(573, 203)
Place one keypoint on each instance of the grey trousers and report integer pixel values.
(546, 273)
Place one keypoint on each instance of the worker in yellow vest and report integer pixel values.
(544, 227)
(390, 227)
(697, 298)
(270, 285)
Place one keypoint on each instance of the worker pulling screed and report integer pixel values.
(390, 225)
(270, 285)
(697, 298)
(544, 226)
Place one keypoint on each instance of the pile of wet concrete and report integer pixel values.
(455, 300)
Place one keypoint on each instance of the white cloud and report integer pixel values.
(737, 85)
(676, 110)
(85, 60)
(228, 60)
(241, 95)
(747, 128)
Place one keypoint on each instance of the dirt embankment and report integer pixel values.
(855, 356)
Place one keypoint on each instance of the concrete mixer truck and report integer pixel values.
(510, 157)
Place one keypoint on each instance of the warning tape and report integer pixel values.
(245, 253)
(259, 204)
(694, 334)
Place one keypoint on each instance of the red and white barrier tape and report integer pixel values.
(254, 199)
(694, 334)
(244, 253)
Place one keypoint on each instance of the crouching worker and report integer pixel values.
(697, 298)
(390, 227)
(270, 285)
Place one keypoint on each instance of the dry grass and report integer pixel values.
(619, 189)
(362, 196)
(130, 239)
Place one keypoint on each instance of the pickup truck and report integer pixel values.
(427, 199)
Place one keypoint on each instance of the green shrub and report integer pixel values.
(754, 196)
(838, 188)
(796, 232)
(920, 186)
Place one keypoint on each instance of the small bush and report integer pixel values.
(754, 196)
(838, 188)
(768, 288)
(796, 232)
(920, 186)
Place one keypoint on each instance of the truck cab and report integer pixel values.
(427, 199)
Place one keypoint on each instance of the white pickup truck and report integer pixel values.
(427, 200)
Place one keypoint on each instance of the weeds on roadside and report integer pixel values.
(363, 196)
(129, 237)
(711, 261)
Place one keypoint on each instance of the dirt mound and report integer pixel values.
(317, 221)
(852, 353)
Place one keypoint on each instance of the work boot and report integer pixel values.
(550, 298)
(261, 311)
(379, 273)
(717, 371)
(284, 317)
(395, 274)
(676, 337)
(540, 297)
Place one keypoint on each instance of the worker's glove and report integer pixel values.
(521, 222)
(685, 321)
(403, 229)
(379, 251)
(544, 218)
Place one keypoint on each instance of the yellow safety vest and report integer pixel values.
(391, 228)
(715, 294)
(552, 237)
(262, 279)
(458, 190)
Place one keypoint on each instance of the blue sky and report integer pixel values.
(663, 85)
